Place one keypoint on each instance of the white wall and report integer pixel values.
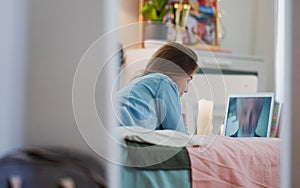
(13, 19)
(60, 33)
(239, 23)
(128, 18)
(264, 40)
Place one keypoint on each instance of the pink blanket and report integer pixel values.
(236, 162)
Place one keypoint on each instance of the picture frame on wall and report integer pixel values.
(202, 24)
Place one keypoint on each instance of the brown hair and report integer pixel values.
(173, 59)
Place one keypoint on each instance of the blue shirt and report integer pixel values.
(151, 101)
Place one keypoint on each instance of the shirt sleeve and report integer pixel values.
(168, 104)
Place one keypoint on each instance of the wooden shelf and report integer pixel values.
(141, 26)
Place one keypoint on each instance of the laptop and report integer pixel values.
(249, 115)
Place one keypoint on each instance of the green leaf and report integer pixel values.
(160, 4)
(164, 12)
(156, 10)
(149, 12)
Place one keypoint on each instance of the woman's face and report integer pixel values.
(248, 116)
(182, 83)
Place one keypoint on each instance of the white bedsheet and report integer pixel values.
(161, 137)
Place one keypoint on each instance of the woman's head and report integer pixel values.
(176, 61)
(173, 59)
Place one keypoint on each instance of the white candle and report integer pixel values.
(222, 129)
(204, 121)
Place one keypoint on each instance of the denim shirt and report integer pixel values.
(151, 101)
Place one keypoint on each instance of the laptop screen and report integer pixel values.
(249, 115)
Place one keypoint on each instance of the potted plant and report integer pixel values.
(155, 12)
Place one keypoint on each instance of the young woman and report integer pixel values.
(152, 100)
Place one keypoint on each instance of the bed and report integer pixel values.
(167, 158)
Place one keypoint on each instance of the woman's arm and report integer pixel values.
(168, 107)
